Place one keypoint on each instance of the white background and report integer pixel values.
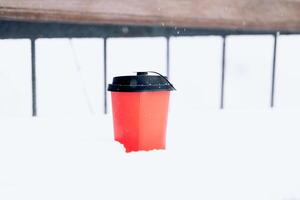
(246, 151)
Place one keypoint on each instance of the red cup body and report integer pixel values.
(140, 119)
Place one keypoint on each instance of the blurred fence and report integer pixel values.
(66, 67)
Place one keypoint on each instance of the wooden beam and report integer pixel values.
(228, 14)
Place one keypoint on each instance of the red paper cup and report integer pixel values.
(140, 110)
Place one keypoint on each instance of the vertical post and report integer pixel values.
(223, 73)
(105, 76)
(274, 70)
(168, 56)
(33, 78)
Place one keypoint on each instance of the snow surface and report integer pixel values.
(210, 155)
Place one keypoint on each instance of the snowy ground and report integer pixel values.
(250, 153)
(210, 155)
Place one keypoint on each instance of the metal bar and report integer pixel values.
(223, 73)
(168, 57)
(105, 76)
(33, 78)
(274, 70)
(26, 29)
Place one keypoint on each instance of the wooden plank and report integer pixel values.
(229, 14)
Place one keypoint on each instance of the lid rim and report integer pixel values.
(157, 90)
(142, 82)
(128, 88)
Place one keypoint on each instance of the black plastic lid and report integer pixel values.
(142, 82)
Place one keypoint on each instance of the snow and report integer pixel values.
(212, 155)
(68, 152)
